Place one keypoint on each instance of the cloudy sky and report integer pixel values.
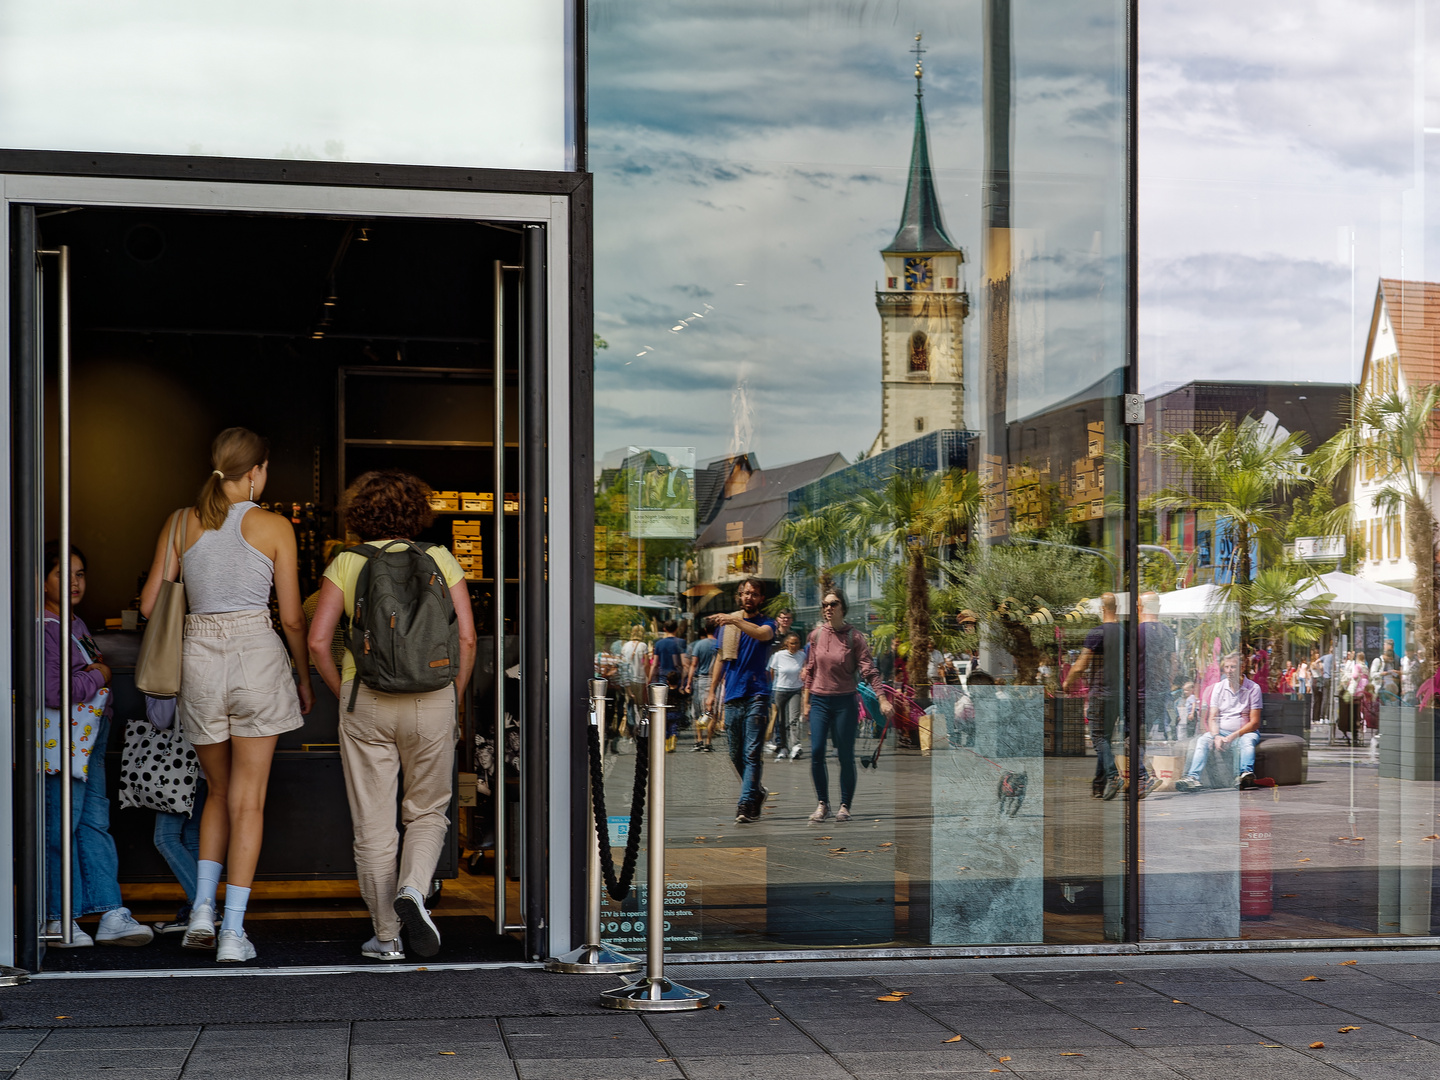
(750, 165)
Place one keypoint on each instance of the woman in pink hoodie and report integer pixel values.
(837, 657)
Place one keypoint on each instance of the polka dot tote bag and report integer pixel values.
(158, 769)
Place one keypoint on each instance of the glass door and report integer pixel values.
(320, 333)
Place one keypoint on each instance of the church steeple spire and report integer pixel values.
(922, 228)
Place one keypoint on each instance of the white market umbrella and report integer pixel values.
(1197, 600)
(608, 594)
(1357, 596)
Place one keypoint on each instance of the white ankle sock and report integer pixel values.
(235, 900)
(207, 880)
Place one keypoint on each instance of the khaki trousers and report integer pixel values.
(386, 735)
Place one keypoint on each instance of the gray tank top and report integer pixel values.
(224, 573)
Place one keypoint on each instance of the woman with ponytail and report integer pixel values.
(237, 691)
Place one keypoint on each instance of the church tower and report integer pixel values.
(922, 307)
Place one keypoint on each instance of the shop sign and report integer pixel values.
(1319, 548)
(662, 492)
(623, 925)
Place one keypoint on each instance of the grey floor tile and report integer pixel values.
(589, 1069)
(902, 1065)
(889, 1039)
(740, 1066)
(1428, 1029)
(1044, 1038)
(103, 1059)
(413, 1063)
(121, 1038)
(318, 1062)
(11, 1041)
(1074, 1060)
(425, 1032)
(49, 1070)
(1313, 1070)
(1369, 1036)
(613, 1035)
(1390, 1070)
(214, 1036)
(1251, 1053)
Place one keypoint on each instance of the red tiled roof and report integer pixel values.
(1414, 308)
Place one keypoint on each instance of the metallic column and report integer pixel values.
(594, 957)
(654, 992)
(498, 607)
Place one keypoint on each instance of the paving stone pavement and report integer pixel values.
(1375, 1016)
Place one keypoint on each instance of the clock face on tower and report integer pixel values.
(919, 275)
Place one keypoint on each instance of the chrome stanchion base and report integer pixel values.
(11, 976)
(654, 995)
(594, 960)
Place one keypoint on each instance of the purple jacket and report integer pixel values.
(83, 684)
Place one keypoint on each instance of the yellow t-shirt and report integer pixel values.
(344, 571)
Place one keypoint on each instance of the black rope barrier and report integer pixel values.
(619, 887)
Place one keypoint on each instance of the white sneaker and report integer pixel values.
(118, 927)
(375, 949)
(233, 947)
(201, 933)
(82, 939)
(419, 929)
(771, 747)
(797, 753)
(781, 755)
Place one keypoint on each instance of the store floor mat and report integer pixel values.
(305, 942)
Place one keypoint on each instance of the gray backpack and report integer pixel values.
(403, 635)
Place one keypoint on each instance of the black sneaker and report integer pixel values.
(421, 933)
(708, 748)
(744, 817)
(1245, 781)
(697, 748)
(1097, 789)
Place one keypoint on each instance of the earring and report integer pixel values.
(252, 490)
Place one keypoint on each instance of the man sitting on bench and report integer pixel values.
(1233, 717)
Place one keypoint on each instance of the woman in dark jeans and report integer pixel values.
(839, 656)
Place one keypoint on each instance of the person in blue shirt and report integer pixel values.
(667, 652)
(699, 658)
(747, 694)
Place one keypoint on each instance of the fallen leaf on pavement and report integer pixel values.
(63, 1018)
(1317, 1046)
(890, 997)
(1351, 1027)
(1177, 1001)
(997, 1070)
(1348, 963)
(1139, 1029)
(1273, 1046)
(1119, 982)
(1070, 1053)
(1004, 1059)
(956, 1038)
(1304, 860)
(1432, 836)
(1312, 978)
(902, 993)
(447, 1053)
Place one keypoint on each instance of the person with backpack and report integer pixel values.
(410, 650)
(838, 657)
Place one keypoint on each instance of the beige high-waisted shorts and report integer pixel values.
(235, 679)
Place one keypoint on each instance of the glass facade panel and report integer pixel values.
(437, 82)
(861, 313)
(1287, 319)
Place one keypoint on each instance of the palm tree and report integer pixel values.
(814, 544)
(1238, 473)
(910, 519)
(1392, 435)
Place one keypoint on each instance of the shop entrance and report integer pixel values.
(353, 342)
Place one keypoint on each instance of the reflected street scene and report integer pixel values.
(1014, 584)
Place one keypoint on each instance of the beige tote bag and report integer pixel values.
(157, 672)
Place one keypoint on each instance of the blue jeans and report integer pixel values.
(1244, 757)
(835, 717)
(745, 722)
(95, 864)
(177, 838)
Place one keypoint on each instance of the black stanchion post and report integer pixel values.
(654, 992)
(594, 957)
